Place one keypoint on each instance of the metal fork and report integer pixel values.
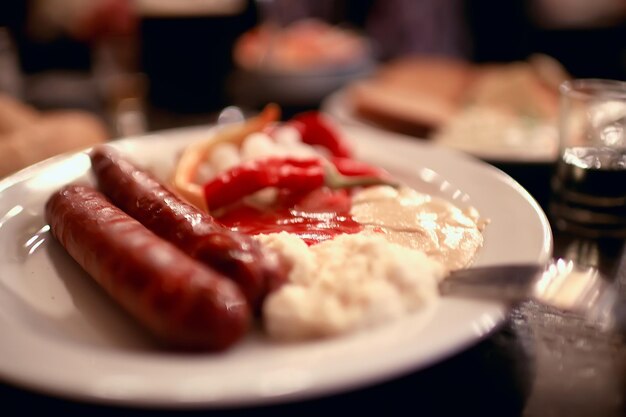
(562, 284)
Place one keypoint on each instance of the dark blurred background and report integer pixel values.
(142, 65)
(185, 51)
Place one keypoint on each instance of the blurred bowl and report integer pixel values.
(294, 88)
(297, 64)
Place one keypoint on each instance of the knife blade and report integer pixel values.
(508, 282)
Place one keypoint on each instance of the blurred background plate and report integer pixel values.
(488, 134)
(252, 89)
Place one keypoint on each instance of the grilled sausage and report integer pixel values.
(183, 302)
(256, 270)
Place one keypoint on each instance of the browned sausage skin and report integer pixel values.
(256, 270)
(184, 303)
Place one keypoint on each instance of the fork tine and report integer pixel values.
(567, 286)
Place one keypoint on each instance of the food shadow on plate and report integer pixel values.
(97, 320)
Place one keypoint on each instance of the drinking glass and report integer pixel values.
(589, 183)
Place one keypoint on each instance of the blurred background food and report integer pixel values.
(299, 63)
(298, 54)
(28, 136)
(461, 72)
(464, 105)
(306, 45)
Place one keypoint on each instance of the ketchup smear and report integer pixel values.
(316, 217)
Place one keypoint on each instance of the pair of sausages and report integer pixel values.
(192, 282)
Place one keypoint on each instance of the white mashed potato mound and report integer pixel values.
(352, 282)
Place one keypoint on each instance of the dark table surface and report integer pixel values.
(540, 362)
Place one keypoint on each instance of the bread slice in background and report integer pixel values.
(14, 114)
(419, 95)
(414, 95)
(28, 136)
(513, 88)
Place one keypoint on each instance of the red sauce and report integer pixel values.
(318, 216)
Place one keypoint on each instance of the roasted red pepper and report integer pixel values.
(245, 179)
(300, 175)
(315, 130)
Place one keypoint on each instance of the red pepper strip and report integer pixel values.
(316, 130)
(245, 179)
(301, 175)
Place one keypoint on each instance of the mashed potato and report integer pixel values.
(352, 282)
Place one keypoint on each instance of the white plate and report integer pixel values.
(63, 336)
(496, 145)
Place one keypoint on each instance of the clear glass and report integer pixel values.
(589, 183)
